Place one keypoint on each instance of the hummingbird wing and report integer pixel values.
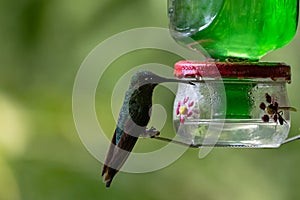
(133, 118)
(119, 156)
(119, 150)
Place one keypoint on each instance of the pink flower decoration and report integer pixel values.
(186, 109)
(191, 104)
(177, 109)
(186, 99)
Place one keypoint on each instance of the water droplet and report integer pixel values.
(170, 11)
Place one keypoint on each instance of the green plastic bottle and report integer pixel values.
(242, 29)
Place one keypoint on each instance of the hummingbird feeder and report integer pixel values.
(232, 87)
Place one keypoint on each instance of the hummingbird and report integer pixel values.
(133, 119)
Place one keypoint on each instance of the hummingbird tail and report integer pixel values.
(107, 184)
(116, 157)
(108, 175)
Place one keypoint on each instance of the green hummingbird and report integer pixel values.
(133, 119)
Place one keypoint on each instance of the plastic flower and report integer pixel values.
(186, 109)
(272, 110)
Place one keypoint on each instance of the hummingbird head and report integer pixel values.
(144, 77)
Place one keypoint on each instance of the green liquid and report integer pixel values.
(246, 29)
(238, 100)
(238, 96)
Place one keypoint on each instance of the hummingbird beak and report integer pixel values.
(163, 79)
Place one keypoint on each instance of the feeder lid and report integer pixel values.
(191, 69)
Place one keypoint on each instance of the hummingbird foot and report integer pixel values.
(150, 133)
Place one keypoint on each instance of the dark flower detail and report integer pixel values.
(273, 110)
(262, 106)
(265, 118)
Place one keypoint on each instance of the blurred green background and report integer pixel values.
(41, 157)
